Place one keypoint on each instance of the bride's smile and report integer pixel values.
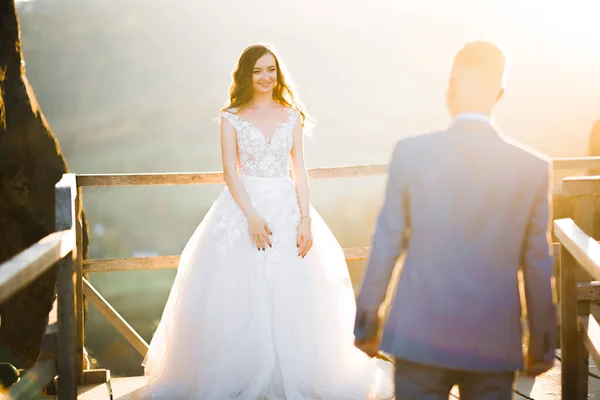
(264, 73)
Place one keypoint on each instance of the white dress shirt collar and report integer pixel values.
(472, 116)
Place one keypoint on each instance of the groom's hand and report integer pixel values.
(368, 333)
(539, 357)
(370, 348)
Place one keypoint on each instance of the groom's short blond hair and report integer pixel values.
(484, 58)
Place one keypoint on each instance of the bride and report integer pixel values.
(262, 306)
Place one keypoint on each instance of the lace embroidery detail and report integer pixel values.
(258, 154)
(276, 202)
(231, 223)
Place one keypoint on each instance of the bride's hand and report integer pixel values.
(259, 232)
(305, 240)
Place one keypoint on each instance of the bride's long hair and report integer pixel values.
(241, 90)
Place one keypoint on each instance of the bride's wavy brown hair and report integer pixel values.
(241, 90)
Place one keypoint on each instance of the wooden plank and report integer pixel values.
(347, 171)
(19, 271)
(79, 307)
(115, 318)
(130, 264)
(67, 384)
(569, 340)
(203, 178)
(584, 213)
(314, 173)
(591, 336)
(589, 291)
(543, 387)
(95, 376)
(583, 216)
(94, 391)
(565, 163)
(163, 262)
(49, 345)
(129, 388)
(31, 385)
(66, 192)
(581, 185)
(584, 249)
(583, 310)
(67, 364)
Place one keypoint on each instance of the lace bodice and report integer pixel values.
(258, 154)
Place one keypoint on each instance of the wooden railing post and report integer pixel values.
(583, 310)
(583, 213)
(67, 365)
(79, 305)
(569, 338)
(580, 334)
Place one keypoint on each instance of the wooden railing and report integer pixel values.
(160, 262)
(579, 330)
(66, 245)
(24, 268)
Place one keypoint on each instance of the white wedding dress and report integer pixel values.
(246, 324)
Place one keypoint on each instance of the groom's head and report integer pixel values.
(477, 78)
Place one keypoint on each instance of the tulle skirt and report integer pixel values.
(246, 324)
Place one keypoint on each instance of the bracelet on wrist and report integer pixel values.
(305, 217)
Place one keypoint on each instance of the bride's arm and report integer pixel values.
(229, 154)
(302, 189)
(299, 170)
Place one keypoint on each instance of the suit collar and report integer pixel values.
(472, 122)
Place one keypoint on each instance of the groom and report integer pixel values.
(470, 208)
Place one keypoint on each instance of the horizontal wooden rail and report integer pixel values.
(19, 271)
(580, 185)
(32, 383)
(203, 178)
(588, 291)
(565, 163)
(584, 249)
(114, 318)
(163, 262)
(166, 262)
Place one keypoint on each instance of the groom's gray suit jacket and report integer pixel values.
(472, 207)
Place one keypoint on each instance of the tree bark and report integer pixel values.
(31, 163)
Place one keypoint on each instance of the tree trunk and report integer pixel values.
(31, 163)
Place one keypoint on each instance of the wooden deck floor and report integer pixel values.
(545, 387)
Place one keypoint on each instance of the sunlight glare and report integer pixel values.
(573, 26)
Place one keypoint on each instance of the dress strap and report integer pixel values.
(231, 117)
(294, 114)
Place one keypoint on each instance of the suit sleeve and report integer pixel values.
(387, 239)
(537, 266)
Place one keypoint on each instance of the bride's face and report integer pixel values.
(264, 75)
